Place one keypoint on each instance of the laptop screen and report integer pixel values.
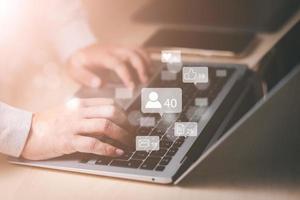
(263, 15)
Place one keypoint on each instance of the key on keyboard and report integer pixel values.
(150, 163)
(129, 164)
(159, 153)
(140, 155)
(103, 161)
(165, 160)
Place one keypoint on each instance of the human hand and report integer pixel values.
(69, 129)
(132, 65)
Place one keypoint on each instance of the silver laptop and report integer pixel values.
(230, 92)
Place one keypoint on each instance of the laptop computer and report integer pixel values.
(231, 91)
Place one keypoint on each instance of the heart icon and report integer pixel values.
(167, 57)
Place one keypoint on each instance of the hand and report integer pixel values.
(131, 65)
(69, 129)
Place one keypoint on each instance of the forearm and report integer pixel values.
(14, 129)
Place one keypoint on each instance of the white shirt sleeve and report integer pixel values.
(67, 26)
(14, 129)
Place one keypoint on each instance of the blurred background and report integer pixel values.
(28, 57)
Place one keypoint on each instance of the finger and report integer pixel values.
(124, 73)
(110, 61)
(96, 102)
(86, 144)
(136, 62)
(81, 74)
(105, 127)
(110, 112)
(146, 57)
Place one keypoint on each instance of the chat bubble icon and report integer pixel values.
(168, 76)
(123, 93)
(201, 102)
(186, 129)
(147, 121)
(147, 143)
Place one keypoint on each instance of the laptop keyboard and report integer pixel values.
(169, 144)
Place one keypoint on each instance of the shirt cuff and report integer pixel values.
(74, 36)
(14, 129)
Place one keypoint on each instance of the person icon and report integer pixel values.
(153, 101)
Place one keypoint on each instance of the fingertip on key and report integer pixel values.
(119, 152)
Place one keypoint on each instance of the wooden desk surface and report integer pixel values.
(28, 92)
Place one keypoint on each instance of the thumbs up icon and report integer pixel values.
(190, 75)
(195, 75)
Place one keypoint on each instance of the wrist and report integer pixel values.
(29, 136)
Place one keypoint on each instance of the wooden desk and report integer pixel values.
(19, 182)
